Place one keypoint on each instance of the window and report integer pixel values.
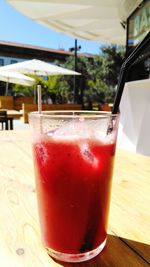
(1, 62)
(12, 61)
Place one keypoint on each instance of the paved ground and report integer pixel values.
(19, 125)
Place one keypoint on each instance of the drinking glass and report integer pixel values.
(73, 153)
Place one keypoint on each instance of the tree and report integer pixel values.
(112, 59)
(97, 90)
(51, 87)
(104, 73)
(22, 90)
(81, 80)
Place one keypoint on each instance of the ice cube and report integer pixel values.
(70, 131)
(88, 155)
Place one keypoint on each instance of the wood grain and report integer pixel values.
(129, 226)
(130, 212)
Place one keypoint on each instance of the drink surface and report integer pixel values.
(73, 179)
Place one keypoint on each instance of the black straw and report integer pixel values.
(125, 68)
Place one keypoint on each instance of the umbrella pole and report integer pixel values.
(39, 98)
(6, 92)
(35, 94)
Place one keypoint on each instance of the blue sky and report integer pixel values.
(15, 27)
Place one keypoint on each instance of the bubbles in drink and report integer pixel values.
(41, 152)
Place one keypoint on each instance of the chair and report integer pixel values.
(3, 119)
(105, 107)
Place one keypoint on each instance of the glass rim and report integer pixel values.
(72, 114)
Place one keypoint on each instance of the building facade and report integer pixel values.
(14, 52)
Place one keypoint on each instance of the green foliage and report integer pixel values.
(20, 90)
(112, 58)
(104, 72)
(52, 84)
(98, 85)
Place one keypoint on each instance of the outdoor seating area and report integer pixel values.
(6, 119)
(14, 103)
(19, 107)
(27, 108)
(8, 112)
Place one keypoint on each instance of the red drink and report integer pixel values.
(73, 180)
(73, 158)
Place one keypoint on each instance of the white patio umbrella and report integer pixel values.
(99, 20)
(39, 68)
(15, 77)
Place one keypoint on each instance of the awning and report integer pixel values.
(97, 20)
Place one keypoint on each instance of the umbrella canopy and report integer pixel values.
(99, 20)
(38, 67)
(15, 77)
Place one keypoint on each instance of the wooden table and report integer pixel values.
(14, 114)
(128, 242)
(11, 115)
